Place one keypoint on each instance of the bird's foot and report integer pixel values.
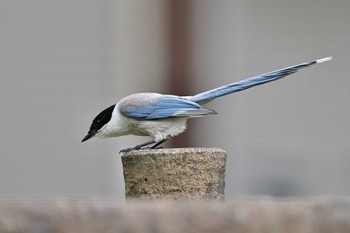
(142, 146)
(138, 148)
(153, 148)
(123, 151)
(129, 149)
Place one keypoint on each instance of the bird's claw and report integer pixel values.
(123, 151)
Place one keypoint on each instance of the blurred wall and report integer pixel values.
(289, 137)
(62, 62)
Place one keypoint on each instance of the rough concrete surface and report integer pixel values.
(320, 215)
(179, 174)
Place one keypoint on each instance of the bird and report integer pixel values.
(163, 116)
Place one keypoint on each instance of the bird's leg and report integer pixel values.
(137, 147)
(155, 146)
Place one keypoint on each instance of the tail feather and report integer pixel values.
(251, 82)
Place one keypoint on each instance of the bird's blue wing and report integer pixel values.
(164, 107)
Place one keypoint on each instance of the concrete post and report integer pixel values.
(179, 174)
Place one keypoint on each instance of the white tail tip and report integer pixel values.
(324, 59)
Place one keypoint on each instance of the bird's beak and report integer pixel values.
(89, 135)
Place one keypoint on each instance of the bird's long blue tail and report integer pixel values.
(251, 82)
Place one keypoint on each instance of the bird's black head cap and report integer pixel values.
(100, 120)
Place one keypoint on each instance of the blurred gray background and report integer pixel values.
(62, 62)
